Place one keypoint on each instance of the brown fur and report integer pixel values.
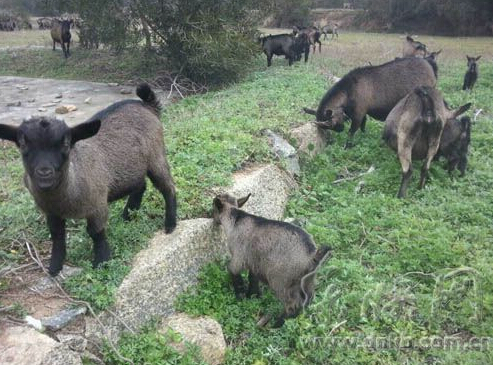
(372, 90)
(60, 33)
(413, 48)
(99, 167)
(414, 129)
(277, 253)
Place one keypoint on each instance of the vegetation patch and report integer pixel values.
(402, 269)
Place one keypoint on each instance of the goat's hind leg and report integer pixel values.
(160, 175)
(432, 150)
(134, 201)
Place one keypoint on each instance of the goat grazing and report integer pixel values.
(471, 75)
(372, 90)
(414, 129)
(274, 252)
(74, 172)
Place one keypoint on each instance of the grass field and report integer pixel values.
(404, 273)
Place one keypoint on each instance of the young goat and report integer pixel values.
(414, 129)
(274, 252)
(472, 73)
(71, 175)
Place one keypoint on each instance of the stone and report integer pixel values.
(284, 151)
(204, 332)
(311, 140)
(62, 319)
(58, 96)
(46, 283)
(22, 87)
(41, 109)
(270, 188)
(48, 105)
(71, 108)
(15, 103)
(26, 346)
(74, 342)
(61, 110)
(88, 100)
(112, 83)
(125, 91)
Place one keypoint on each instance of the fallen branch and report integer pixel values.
(37, 260)
(370, 170)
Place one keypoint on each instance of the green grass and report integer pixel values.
(392, 258)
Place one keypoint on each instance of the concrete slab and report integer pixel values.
(33, 93)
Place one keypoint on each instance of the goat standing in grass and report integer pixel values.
(277, 253)
(414, 129)
(60, 33)
(471, 75)
(74, 172)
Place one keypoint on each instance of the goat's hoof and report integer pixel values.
(54, 271)
(169, 227)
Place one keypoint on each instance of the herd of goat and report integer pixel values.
(419, 124)
(74, 172)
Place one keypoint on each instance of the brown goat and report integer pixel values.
(74, 172)
(277, 253)
(413, 48)
(60, 33)
(372, 90)
(414, 129)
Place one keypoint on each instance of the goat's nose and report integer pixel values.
(44, 171)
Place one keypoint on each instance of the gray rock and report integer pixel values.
(26, 346)
(58, 96)
(310, 139)
(171, 262)
(74, 342)
(46, 283)
(204, 332)
(125, 91)
(270, 188)
(284, 151)
(15, 103)
(62, 319)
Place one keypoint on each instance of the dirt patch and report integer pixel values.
(24, 96)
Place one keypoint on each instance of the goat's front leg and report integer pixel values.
(234, 268)
(96, 227)
(56, 225)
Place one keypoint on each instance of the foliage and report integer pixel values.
(152, 347)
(291, 12)
(436, 17)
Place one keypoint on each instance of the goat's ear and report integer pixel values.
(461, 110)
(84, 130)
(409, 39)
(8, 132)
(477, 58)
(243, 200)
(468, 58)
(218, 203)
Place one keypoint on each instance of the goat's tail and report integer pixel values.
(307, 281)
(427, 105)
(145, 92)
